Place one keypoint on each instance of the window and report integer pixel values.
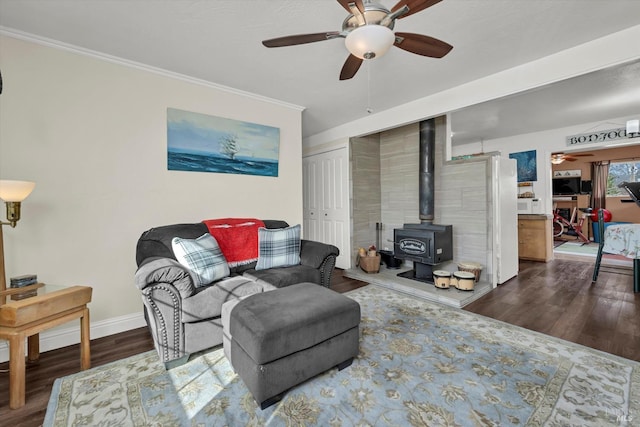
(621, 172)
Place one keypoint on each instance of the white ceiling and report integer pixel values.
(593, 97)
(219, 41)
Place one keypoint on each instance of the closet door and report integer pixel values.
(326, 200)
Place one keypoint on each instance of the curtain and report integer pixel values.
(599, 175)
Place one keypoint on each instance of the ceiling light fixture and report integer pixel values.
(556, 159)
(370, 41)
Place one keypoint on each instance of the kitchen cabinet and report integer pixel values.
(535, 239)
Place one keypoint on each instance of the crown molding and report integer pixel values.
(56, 44)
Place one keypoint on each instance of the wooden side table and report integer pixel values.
(25, 318)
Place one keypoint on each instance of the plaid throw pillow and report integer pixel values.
(202, 256)
(278, 247)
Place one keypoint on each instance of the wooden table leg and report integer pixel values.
(85, 349)
(16, 371)
(33, 346)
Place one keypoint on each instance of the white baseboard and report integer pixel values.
(58, 338)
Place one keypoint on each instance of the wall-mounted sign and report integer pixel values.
(599, 136)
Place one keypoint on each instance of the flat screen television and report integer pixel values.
(566, 186)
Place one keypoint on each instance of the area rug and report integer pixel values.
(420, 364)
(591, 250)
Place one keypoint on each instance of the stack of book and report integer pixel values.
(21, 282)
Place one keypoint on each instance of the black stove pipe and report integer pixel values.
(427, 164)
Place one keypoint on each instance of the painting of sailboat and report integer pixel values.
(203, 143)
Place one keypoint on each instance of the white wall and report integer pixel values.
(545, 143)
(92, 134)
(607, 51)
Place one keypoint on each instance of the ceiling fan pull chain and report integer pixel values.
(369, 109)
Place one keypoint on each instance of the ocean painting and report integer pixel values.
(526, 165)
(202, 143)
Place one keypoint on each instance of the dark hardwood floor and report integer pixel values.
(558, 299)
(554, 298)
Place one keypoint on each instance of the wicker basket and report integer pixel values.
(471, 267)
(370, 264)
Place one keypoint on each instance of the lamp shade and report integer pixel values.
(370, 41)
(15, 191)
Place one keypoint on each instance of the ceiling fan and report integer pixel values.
(558, 158)
(368, 33)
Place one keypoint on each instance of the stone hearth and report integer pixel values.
(388, 278)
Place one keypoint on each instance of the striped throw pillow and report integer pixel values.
(202, 256)
(278, 247)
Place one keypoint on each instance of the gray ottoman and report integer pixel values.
(278, 339)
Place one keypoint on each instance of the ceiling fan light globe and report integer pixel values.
(369, 41)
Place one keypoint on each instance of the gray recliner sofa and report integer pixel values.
(184, 319)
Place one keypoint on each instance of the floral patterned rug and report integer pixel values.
(420, 364)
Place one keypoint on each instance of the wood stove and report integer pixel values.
(426, 244)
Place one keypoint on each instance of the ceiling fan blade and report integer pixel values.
(414, 6)
(350, 67)
(422, 45)
(300, 39)
(359, 5)
(572, 157)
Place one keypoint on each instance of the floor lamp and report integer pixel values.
(13, 193)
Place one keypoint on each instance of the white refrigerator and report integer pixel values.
(505, 214)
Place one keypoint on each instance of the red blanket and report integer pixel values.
(237, 237)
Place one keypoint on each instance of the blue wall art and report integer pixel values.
(202, 143)
(526, 165)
